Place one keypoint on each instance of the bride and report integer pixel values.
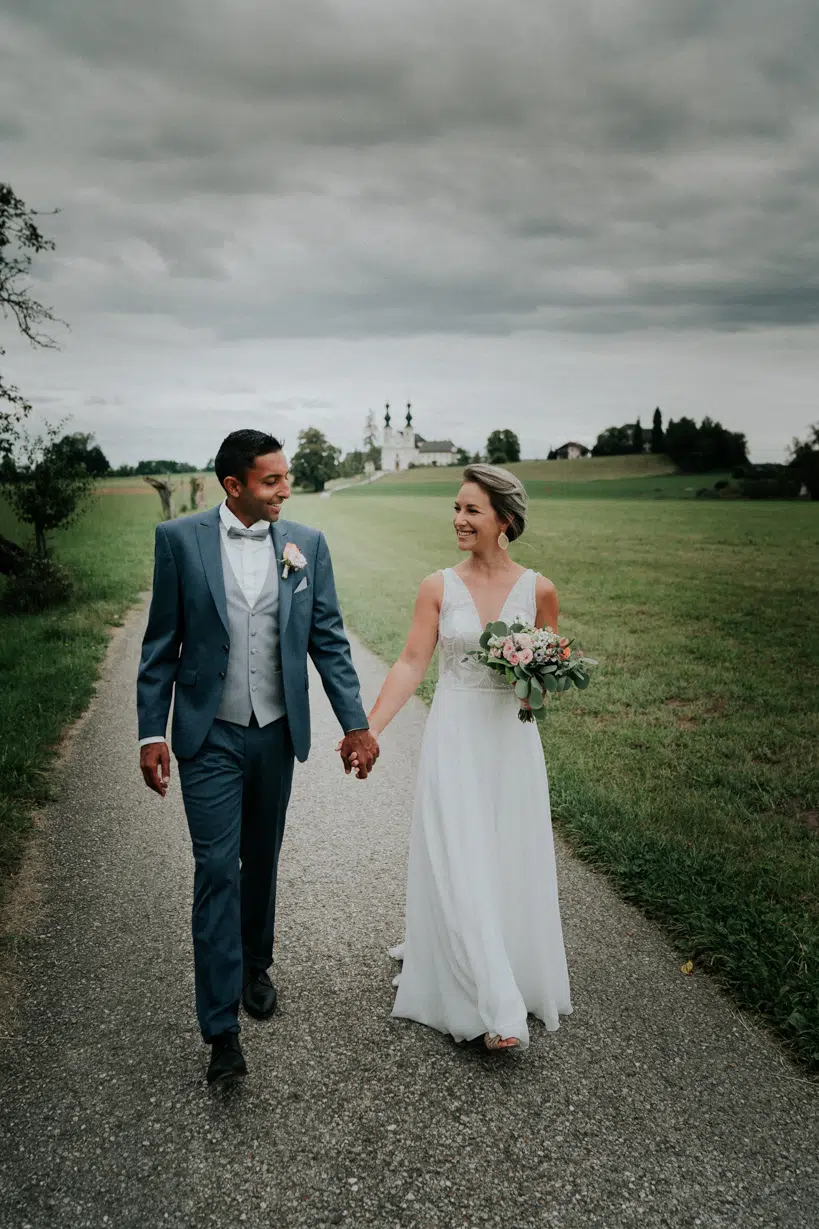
(483, 944)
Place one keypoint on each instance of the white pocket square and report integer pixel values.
(302, 585)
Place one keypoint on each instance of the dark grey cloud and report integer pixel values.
(248, 173)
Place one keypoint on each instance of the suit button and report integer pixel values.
(252, 669)
(225, 648)
(221, 674)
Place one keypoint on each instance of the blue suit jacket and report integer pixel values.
(186, 643)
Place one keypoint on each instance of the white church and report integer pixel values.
(402, 447)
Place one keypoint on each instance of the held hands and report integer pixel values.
(359, 751)
(155, 764)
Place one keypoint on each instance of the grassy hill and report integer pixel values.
(592, 469)
(621, 477)
(633, 477)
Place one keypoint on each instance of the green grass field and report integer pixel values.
(688, 770)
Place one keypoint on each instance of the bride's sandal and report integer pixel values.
(495, 1043)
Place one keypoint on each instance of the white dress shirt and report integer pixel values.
(249, 557)
(250, 561)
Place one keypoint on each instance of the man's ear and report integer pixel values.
(233, 487)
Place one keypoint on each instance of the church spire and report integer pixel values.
(409, 414)
(387, 419)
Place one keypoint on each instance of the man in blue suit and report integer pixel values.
(240, 598)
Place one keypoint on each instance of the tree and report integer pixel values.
(704, 448)
(79, 450)
(372, 451)
(45, 489)
(657, 437)
(315, 461)
(682, 443)
(164, 490)
(638, 437)
(163, 467)
(614, 442)
(552, 456)
(502, 447)
(353, 464)
(805, 460)
(20, 240)
(463, 457)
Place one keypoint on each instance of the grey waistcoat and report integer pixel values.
(253, 680)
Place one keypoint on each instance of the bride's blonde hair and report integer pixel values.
(506, 492)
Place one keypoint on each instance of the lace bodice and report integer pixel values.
(460, 629)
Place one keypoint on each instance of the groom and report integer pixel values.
(240, 598)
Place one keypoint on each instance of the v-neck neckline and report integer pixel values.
(525, 572)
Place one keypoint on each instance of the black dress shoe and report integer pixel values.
(259, 994)
(227, 1062)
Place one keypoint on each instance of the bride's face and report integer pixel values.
(476, 521)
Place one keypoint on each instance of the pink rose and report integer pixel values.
(525, 656)
(513, 659)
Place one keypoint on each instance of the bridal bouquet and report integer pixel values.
(534, 661)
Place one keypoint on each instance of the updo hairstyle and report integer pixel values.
(507, 495)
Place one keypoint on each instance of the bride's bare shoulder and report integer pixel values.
(544, 588)
(431, 589)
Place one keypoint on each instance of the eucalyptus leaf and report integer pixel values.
(498, 629)
(485, 638)
(511, 677)
(522, 689)
(536, 700)
(550, 683)
(581, 681)
(536, 684)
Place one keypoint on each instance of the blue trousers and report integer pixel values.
(236, 790)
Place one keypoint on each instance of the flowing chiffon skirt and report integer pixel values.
(484, 942)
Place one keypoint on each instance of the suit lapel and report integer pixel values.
(280, 540)
(210, 549)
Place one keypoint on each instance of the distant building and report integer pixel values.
(571, 451)
(402, 447)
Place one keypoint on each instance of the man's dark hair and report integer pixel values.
(238, 452)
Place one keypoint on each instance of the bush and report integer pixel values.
(720, 490)
(770, 488)
(43, 583)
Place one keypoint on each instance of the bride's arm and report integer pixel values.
(406, 675)
(547, 604)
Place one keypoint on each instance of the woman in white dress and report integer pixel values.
(484, 944)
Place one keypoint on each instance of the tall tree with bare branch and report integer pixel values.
(20, 241)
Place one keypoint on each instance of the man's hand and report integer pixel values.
(359, 751)
(155, 763)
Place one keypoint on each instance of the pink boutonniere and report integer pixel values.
(292, 558)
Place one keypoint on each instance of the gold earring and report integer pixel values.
(503, 541)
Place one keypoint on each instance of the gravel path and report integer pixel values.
(655, 1105)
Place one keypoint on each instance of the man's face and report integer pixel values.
(266, 486)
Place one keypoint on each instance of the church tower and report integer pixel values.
(398, 448)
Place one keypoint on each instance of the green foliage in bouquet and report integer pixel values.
(534, 661)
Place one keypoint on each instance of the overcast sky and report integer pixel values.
(544, 216)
